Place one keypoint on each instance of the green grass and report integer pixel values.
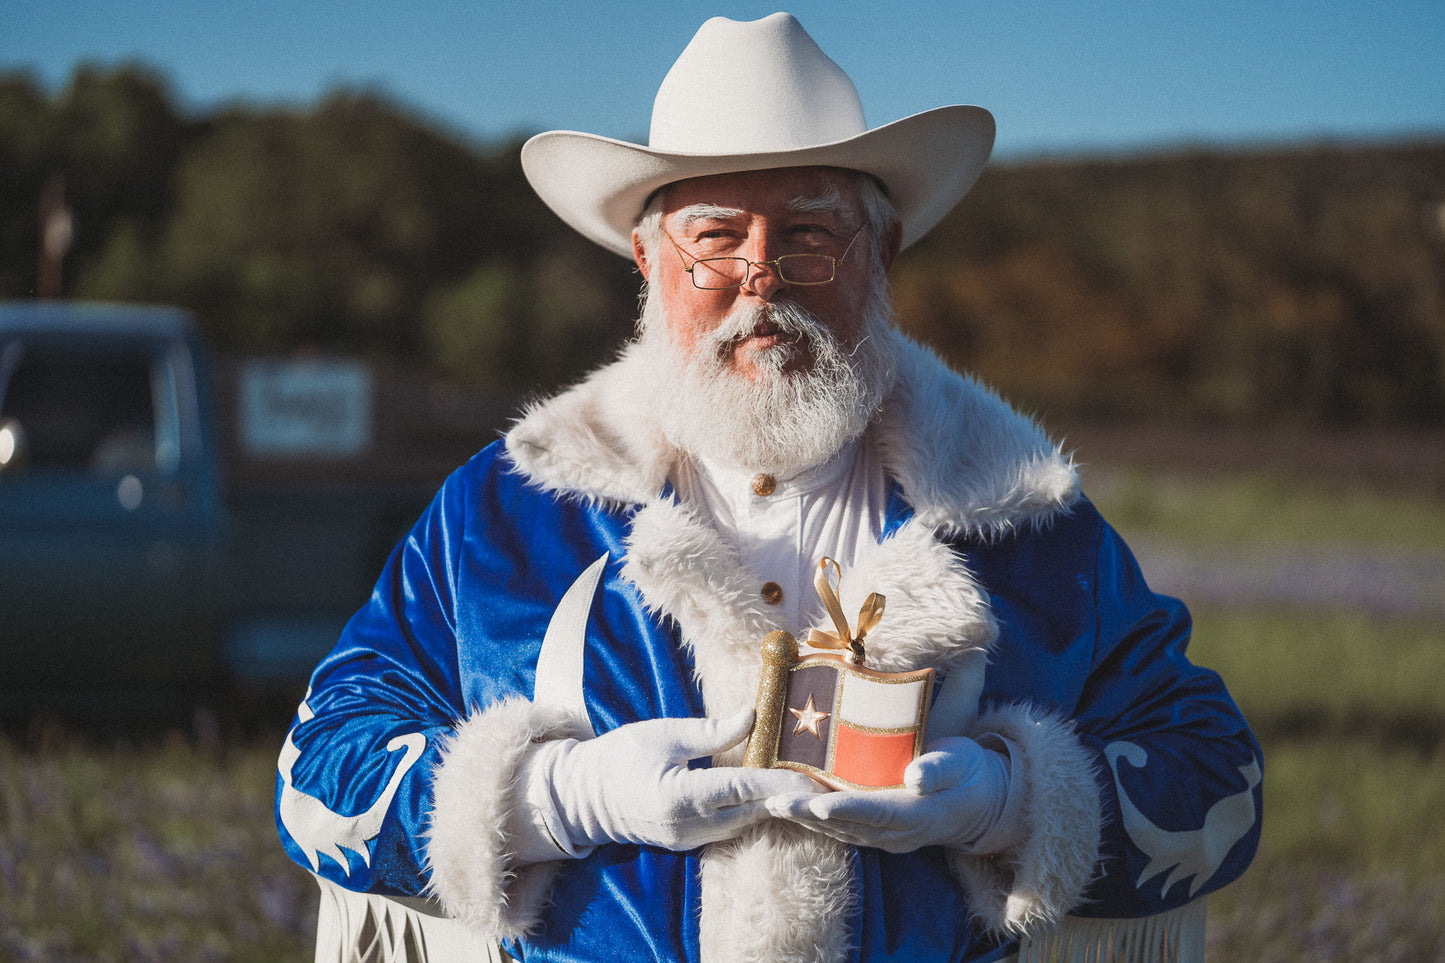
(1282, 913)
(1356, 804)
(1351, 864)
(1352, 719)
(1266, 507)
(156, 851)
(1338, 673)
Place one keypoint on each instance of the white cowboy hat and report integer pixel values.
(791, 106)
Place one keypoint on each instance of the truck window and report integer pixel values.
(84, 411)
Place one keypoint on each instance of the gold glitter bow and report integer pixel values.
(844, 638)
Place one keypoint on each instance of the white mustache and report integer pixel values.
(790, 319)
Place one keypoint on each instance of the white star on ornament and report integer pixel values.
(808, 718)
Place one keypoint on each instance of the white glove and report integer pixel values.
(955, 794)
(633, 785)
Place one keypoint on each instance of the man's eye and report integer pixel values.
(812, 234)
(715, 241)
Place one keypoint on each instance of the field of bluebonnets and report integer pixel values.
(1321, 600)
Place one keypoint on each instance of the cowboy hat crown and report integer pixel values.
(801, 110)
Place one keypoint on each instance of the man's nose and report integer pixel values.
(764, 278)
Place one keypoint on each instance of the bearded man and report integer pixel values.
(538, 721)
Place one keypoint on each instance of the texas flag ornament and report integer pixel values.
(846, 725)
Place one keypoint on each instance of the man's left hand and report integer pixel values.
(954, 794)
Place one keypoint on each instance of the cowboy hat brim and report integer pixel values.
(598, 185)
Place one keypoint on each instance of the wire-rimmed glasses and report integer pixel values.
(722, 273)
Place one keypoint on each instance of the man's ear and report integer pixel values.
(890, 244)
(639, 255)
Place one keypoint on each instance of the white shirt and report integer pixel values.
(781, 527)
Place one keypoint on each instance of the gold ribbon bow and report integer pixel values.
(844, 638)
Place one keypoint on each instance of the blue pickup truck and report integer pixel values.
(156, 551)
(111, 522)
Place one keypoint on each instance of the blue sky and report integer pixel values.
(1061, 76)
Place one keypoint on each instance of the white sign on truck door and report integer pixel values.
(305, 409)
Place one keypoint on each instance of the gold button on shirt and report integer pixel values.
(781, 526)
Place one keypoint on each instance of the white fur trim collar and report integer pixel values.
(967, 462)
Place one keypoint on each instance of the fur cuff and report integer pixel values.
(1033, 884)
(475, 790)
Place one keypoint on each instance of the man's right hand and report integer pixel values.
(633, 785)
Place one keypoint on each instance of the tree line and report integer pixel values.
(1301, 284)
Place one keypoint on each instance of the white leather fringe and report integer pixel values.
(361, 928)
(1174, 937)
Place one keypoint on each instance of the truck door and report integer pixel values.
(108, 535)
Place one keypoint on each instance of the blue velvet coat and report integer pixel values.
(1143, 778)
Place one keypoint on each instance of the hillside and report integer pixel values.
(1303, 285)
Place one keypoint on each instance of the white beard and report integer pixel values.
(780, 421)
